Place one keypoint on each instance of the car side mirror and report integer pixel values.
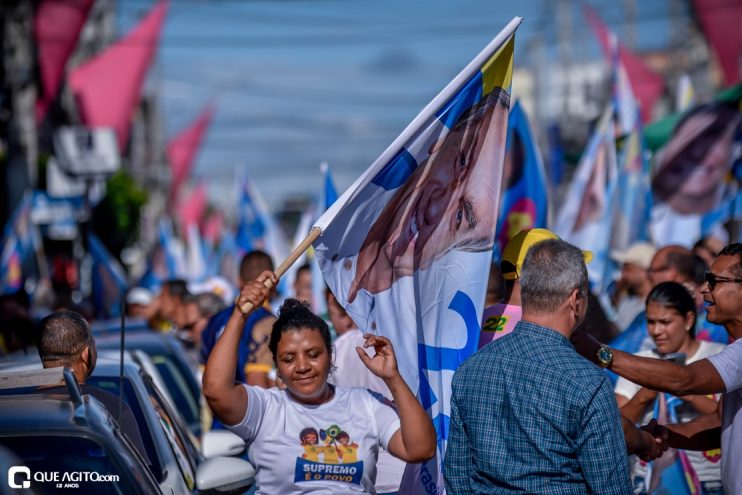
(221, 443)
(224, 475)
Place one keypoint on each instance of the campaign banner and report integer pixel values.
(407, 248)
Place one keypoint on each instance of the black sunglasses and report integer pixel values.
(713, 279)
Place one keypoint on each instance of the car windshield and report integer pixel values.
(111, 385)
(65, 464)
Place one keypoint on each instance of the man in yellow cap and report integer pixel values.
(500, 319)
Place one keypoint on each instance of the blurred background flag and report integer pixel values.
(584, 217)
(18, 245)
(685, 95)
(407, 248)
(646, 84)
(108, 280)
(673, 472)
(525, 199)
(251, 227)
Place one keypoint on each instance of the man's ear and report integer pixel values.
(85, 355)
(575, 302)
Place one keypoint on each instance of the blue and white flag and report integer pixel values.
(256, 226)
(407, 248)
(584, 219)
(108, 280)
(525, 198)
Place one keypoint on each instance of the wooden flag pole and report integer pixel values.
(290, 260)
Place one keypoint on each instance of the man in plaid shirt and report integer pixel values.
(529, 414)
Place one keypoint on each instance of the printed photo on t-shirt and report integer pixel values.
(327, 454)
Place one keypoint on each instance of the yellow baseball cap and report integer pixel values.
(516, 250)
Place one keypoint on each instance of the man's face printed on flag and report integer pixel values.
(449, 202)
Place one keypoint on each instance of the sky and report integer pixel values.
(299, 82)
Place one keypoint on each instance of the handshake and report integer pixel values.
(648, 442)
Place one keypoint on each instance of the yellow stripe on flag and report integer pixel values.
(497, 72)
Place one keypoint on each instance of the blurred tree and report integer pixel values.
(116, 218)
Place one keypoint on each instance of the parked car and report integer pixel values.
(174, 364)
(175, 458)
(69, 434)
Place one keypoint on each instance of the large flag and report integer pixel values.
(57, 26)
(108, 280)
(525, 200)
(646, 84)
(183, 148)
(584, 217)
(18, 244)
(407, 248)
(107, 87)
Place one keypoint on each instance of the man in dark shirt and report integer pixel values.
(65, 339)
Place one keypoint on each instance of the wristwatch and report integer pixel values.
(605, 356)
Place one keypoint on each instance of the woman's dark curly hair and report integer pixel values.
(293, 315)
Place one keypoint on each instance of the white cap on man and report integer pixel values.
(639, 254)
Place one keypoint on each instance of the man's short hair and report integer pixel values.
(734, 249)
(253, 264)
(208, 303)
(62, 337)
(176, 288)
(684, 262)
(552, 269)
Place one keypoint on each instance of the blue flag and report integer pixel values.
(17, 245)
(524, 203)
(108, 280)
(251, 227)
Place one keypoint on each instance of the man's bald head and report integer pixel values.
(673, 264)
(253, 264)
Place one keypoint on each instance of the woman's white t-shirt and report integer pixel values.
(329, 448)
(706, 464)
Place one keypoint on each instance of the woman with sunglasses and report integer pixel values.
(311, 436)
(671, 319)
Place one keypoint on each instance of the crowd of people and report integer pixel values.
(528, 412)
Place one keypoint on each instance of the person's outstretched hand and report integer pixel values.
(384, 363)
(255, 292)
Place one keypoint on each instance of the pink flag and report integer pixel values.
(646, 83)
(57, 27)
(182, 149)
(192, 209)
(108, 86)
(721, 21)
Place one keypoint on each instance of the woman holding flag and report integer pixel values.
(671, 318)
(275, 422)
